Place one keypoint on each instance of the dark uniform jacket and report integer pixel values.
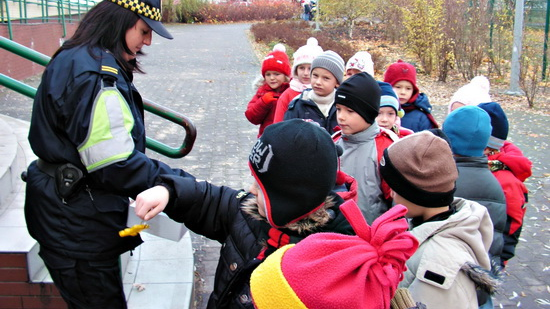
(85, 225)
(230, 217)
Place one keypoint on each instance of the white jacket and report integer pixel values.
(445, 269)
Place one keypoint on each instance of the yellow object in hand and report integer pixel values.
(133, 231)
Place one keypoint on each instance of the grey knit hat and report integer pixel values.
(332, 62)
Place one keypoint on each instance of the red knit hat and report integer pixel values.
(330, 270)
(399, 71)
(277, 61)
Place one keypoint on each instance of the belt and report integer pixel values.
(47, 167)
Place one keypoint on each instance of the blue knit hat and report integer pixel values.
(388, 96)
(468, 129)
(499, 122)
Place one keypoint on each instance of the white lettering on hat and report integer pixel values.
(261, 156)
(342, 96)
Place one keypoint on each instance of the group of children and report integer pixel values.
(293, 241)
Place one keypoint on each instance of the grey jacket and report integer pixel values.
(360, 160)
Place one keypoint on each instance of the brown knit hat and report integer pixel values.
(420, 167)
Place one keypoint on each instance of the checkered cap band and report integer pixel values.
(141, 8)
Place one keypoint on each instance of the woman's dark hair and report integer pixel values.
(105, 26)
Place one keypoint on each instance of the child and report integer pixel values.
(390, 111)
(468, 130)
(301, 76)
(418, 111)
(317, 104)
(511, 168)
(328, 270)
(275, 72)
(473, 93)
(360, 62)
(294, 164)
(357, 103)
(454, 234)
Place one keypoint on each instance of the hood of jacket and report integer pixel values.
(442, 247)
(328, 218)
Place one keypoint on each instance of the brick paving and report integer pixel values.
(207, 73)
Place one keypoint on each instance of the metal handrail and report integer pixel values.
(150, 106)
(62, 11)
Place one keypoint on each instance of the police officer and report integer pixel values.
(87, 130)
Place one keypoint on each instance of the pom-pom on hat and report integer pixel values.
(361, 93)
(149, 11)
(330, 270)
(306, 53)
(473, 93)
(294, 163)
(399, 71)
(468, 128)
(420, 167)
(277, 61)
(499, 122)
(332, 62)
(361, 61)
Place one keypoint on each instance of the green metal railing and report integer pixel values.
(43, 11)
(150, 106)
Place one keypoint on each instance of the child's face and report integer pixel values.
(349, 121)
(303, 73)
(386, 117)
(404, 90)
(323, 82)
(274, 79)
(255, 189)
(457, 105)
(351, 72)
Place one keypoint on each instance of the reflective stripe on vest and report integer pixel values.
(109, 138)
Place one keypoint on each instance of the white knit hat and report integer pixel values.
(361, 61)
(473, 93)
(306, 53)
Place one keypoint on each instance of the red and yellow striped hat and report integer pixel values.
(330, 270)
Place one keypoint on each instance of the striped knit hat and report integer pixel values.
(330, 270)
(332, 62)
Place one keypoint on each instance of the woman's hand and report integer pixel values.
(151, 202)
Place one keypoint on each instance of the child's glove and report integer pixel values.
(270, 97)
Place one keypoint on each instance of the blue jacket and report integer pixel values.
(416, 114)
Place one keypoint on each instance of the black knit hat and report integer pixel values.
(360, 93)
(420, 167)
(294, 163)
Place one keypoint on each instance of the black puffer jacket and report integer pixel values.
(476, 183)
(230, 217)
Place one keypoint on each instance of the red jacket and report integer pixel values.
(260, 112)
(518, 169)
(282, 104)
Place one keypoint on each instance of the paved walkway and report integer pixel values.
(207, 72)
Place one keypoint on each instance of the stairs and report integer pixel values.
(159, 274)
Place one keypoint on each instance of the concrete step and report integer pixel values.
(158, 274)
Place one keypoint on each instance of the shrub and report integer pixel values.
(256, 10)
(295, 34)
